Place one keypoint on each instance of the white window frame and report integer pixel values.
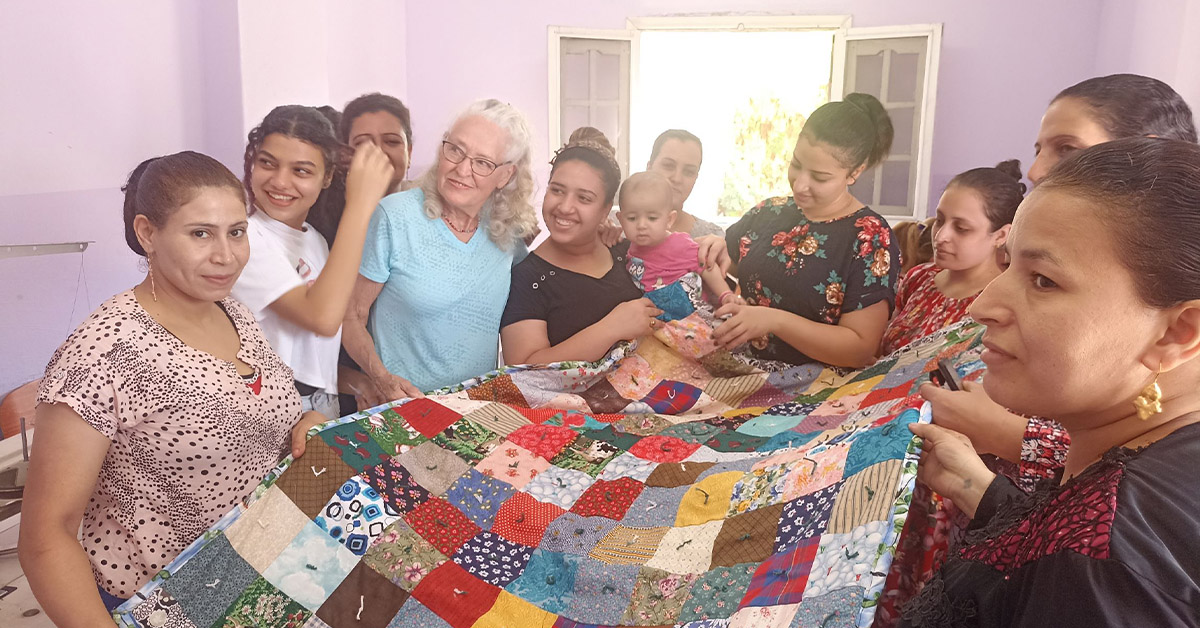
(843, 32)
(556, 35)
(923, 158)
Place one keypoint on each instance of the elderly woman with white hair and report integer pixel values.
(434, 278)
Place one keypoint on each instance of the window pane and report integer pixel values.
(868, 74)
(864, 188)
(608, 76)
(903, 120)
(606, 119)
(902, 77)
(573, 118)
(575, 76)
(894, 183)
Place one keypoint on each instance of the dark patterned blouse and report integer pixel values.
(818, 270)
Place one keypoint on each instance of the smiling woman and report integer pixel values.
(297, 287)
(167, 404)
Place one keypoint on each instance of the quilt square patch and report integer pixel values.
(443, 525)
(655, 506)
(392, 433)
(692, 431)
(628, 546)
(455, 596)
(558, 486)
(748, 537)
(498, 418)
(657, 597)
(396, 485)
(427, 416)
(867, 496)
(663, 449)
(204, 596)
(493, 558)
(548, 580)
(672, 474)
(716, 594)
(262, 604)
(266, 527)
(608, 498)
(708, 499)
(573, 534)
(414, 614)
(670, 397)
(687, 549)
(627, 465)
(805, 518)
(356, 515)
(352, 442)
(603, 397)
(470, 441)
(501, 389)
(843, 559)
(728, 441)
(403, 556)
(478, 497)
(524, 519)
(311, 567)
(513, 464)
(434, 468)
(781, 579)
(601, 592)
(586, 455)
(543, 440)
(365, 599)
(314, 477)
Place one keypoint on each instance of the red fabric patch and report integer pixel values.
(543, 440)
(455, 595)
(427, 416)
(1078, 520)
(443, 525)
(524, 519)
(885, 394)
(608, 498)
(663, 449)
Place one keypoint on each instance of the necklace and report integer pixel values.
(467, 229)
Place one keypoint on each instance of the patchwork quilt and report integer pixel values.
(660, 486)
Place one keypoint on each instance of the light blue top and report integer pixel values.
(436, 321)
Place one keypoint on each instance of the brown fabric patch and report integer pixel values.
(364, 599)
(310, 487)
(604, 398)
(747, 538)
(628, 546)
(867, 496)
(734, 390)
(672, 474)
(501, 389)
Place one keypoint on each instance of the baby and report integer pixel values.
(657, 256)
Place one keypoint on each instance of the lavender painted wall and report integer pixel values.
(1159, 38)
(1000, 63)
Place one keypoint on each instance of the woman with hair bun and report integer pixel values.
(573, 298)
(818, 269)
(973, 217)
(162, 410)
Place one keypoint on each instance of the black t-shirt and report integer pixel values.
(818, 270)
(1114, 546)
(568, 301)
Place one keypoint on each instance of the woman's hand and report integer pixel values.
(713, 252)
(950, 466)
(368, 179)
(307, 421)
(745, 323)
(632, 319)
(970, 412)
(610, 233)
(394, 387)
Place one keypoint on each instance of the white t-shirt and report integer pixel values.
(282, 258)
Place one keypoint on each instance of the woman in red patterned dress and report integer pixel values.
(973, 217)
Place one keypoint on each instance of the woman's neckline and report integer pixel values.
(241, 352)
(858, 207)
(558, 265)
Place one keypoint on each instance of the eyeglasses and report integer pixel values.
(480, 166)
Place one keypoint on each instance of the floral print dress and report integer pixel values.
(818, 270)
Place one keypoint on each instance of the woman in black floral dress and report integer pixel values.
(818, 269)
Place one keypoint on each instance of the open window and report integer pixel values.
(721, 78)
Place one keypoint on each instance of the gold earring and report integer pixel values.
(1149, 401)
(150, 271)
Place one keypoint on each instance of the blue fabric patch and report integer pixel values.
(548, 581)
(673, 300)
(886, 442)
